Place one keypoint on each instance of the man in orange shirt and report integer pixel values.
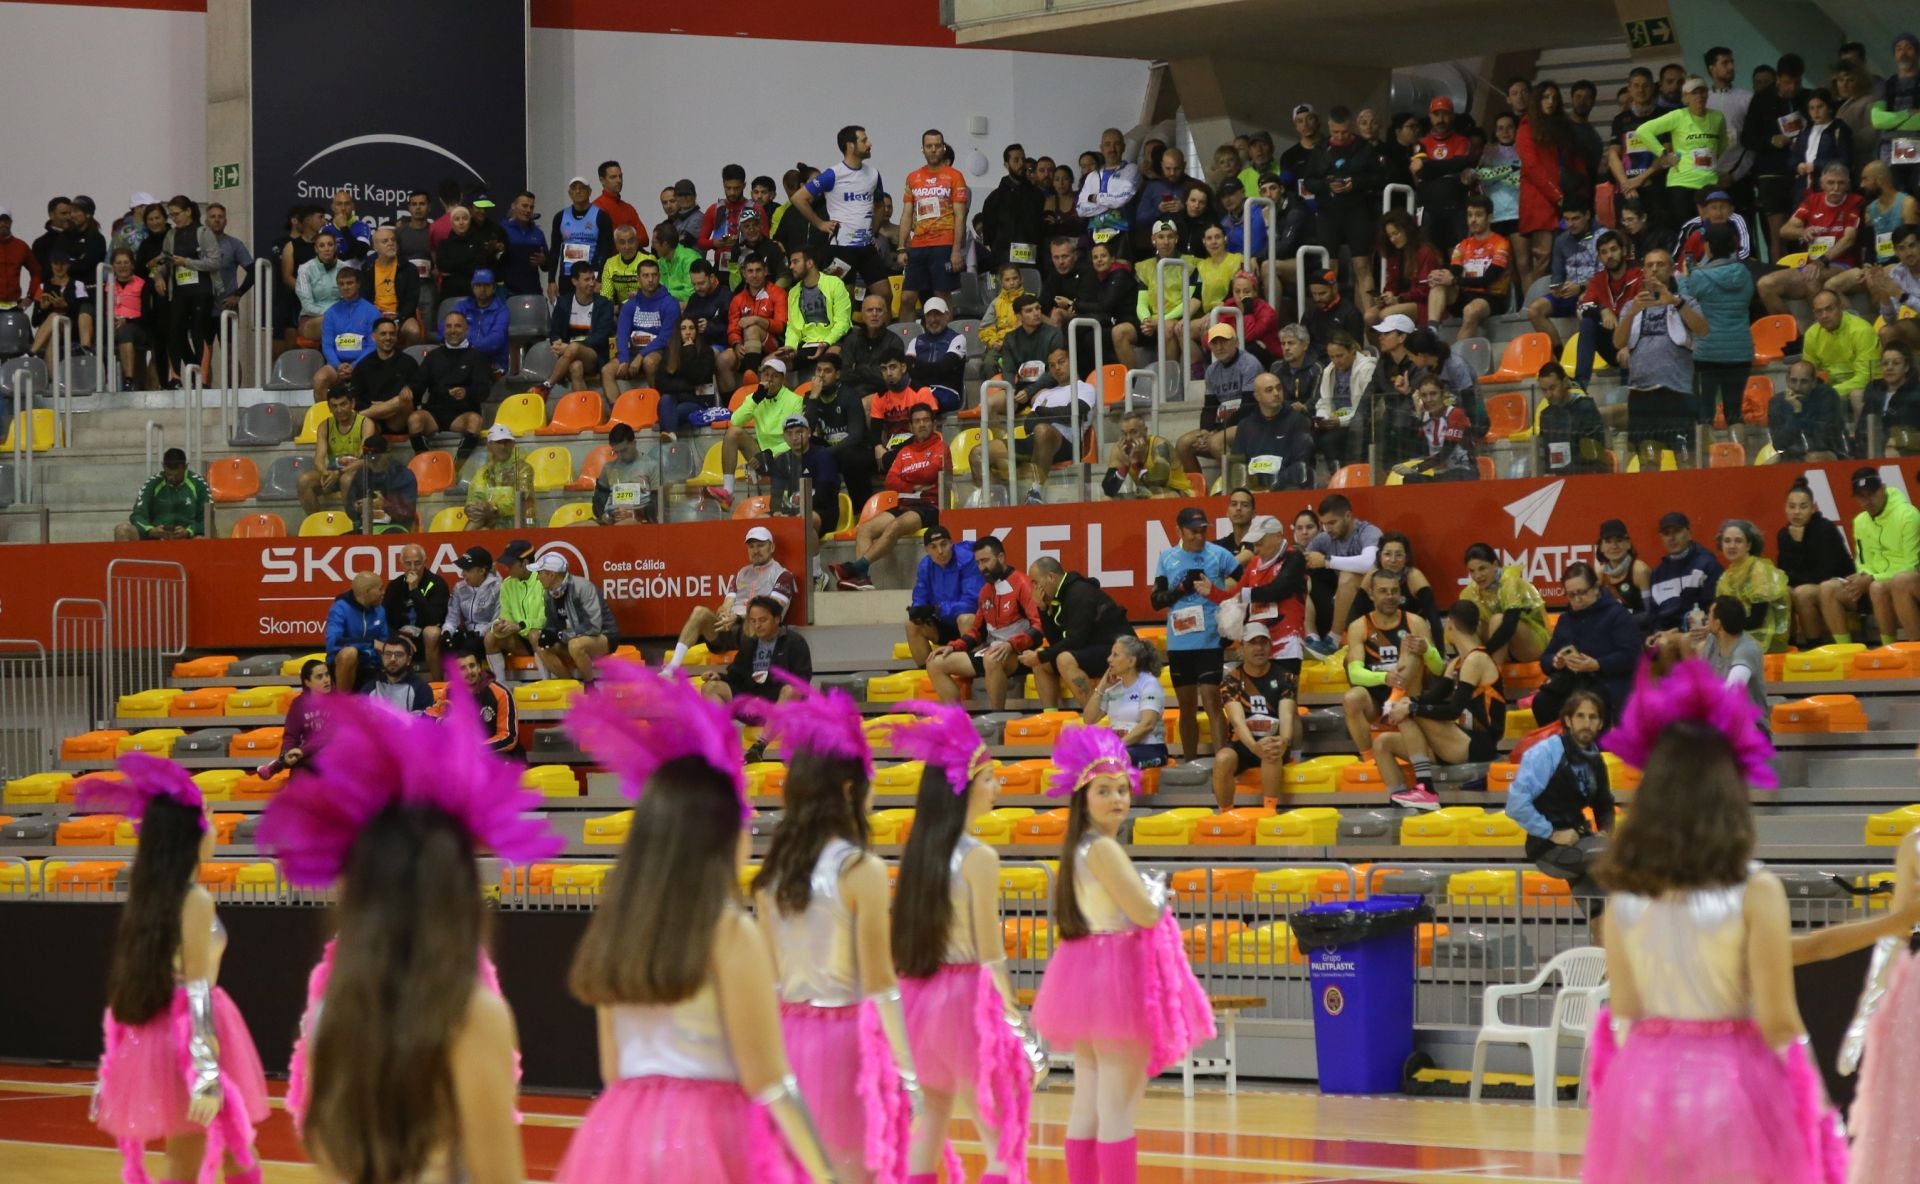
(612, 181)
(932, 224)
(1482, 271)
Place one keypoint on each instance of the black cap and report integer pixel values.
(1613, 528)
(82, 202)
(1866, 481)
(683, 188)
(1263, 136)
(1230, 185)
(1674, 520)
(374, 443)
(935, 533)
(517, 551)
(1192, 517)
(474, 557)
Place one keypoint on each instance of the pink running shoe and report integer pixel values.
(1417, 798)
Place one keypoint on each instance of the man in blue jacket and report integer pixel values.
(1596, 646)
(648, 321)
(581, 337)
(356, 624)
(946, 591)
(1682, 581)
(346, 332)
(486, 317)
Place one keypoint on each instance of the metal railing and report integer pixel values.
(1386, 206)
(227, 369)
(60, 369)
(105, 288)
(1085, 467)
(983, 476)
(146, 623)
(263, 279)
(156, 444)
(193, 387)
(78, 671)
(23, 437)
(1160, 267)
(1300, 273)
(1153, 403)
(27, 741)
(1273, 242)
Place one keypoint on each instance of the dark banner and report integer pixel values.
(381, 99)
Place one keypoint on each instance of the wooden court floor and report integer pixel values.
(1263, 1136)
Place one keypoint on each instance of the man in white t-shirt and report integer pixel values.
(1049, 423)
(849, 196)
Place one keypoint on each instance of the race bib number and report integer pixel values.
(1906, 151)
(1883, 247)
(1260, 726)
(1192, 619)
(1263, 466)
(1031, 370)
(1792, 123)
(638, 339)
(1702, 158)
(898, 438)
(576, 252)
(926, 209)
(1021, 253)
(630, 495)
(347, 343)
(424, 267)
(185, 275)
(1818, 248)
(836, 438)
(1559, 455)
(1262, 612)
(1229, 407)
(1475, 268)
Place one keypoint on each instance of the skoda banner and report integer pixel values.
(381, 99)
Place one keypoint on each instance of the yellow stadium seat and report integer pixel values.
(1321, 774)
(1621, 775)
(450, 520)
(571, 514)
(891, 827)
(608, 829)
(1208, 942)
(553, 781)
(1495, 829)
(291, 667)
(257, 875)
(124, 836)
(1323, 677)
(40, 436)
(153, 741)
(1023, 881)
(747, 873)
(552, 467)
(902, 652)
(900, 687)
(1027, 937)
(16, 878)
(1886, 830)
(710, 474)
(1828, 663)
(325, 524)
(1170, 828)
(1520, 722)
(260, 700)
(153, 704)
(310, 426)
(901, 778)
(1668, 462)
(879, 728)
(1440, 828)
(583, 879)
(550, 694)
(1312, 826)
(995, 832)
(1486, 887)
(1265, 946)
(216, 785)
(846, 521)
(35, 789)
(525, 414)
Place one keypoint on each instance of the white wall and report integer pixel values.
(671, 107)
(72, 126)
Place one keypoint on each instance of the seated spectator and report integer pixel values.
(314, 285)
(1620, 570)
(501, 493)
(1805, 420)
(688, 382)
(581, 338)
(1817, 563)
(416, 604)
(1257, 701)
(1480, 279)
(1141, 465)
(306, 724)
(497, 715)
(1513, 616)
(467, 250)
(394, 286)
(686, 217)
(346, 332)
(1050, 419)
(1259, 323)
(61, 295)
(473, 602)
(1331, 314)
(765, 646)
(937, 356)
(707, 310)
(723, 628)
(15, 257)
(1001, 319)
(386, 386)
(1829, 226)
(523, 611)
(1131, 701)
(1272, 591)
(386, 493)
(1576, 261)
(396, 684)
(1596, 647)
(1716, 209)
(1272, 443)
(623, 492)
(129, 336)
(946, 591)
(336, 450)
(580, 625)
(1895, 290)
(456, 378)
(676, 260)
(356, 625)
(1447, 434)
(819, 311)
(1682, 582)
(171, 505)
(1562, 781)
(1395, 558)
(839, 420)
(1656, 338)
(1022, 361)
(1347, 548)
(1844, 347)
(1759, 586)
(1886, 537)
(756, 317)
(913, 471)
(1110, 296)
(1389, 652)
(620, 274)
(1895, 398)
(1723, 357)
(1457, 718)
(1229, 384)
(1006, 624)
(1411, 263)
(1607, 301)
(581, 236)
(890, 412)
(757, 431)
(1735, 655)
(804, 457)
(757, 247)
(1348, 375)
(867, 346)
(487, 317)
(1216, 268)
(646, 325)
(1571, 429)
(1079, 623)
(1169, 295)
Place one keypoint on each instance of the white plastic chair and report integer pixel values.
(1583, 973)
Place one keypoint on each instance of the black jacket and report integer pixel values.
(1818, 426)
(1575, 437)
(1820, 556)
(1081, 615)
(1015, 212)
(1112, 299)
(1077, 285)
(839, 418)
(861, 355)
(443, 370)
(599, 335)
(421, 606)
(1356, 161)
(790, 653)
(1763, 124)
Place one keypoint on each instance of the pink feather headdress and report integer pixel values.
(826, 722)
(1692, 691)
(145, 778)
(634, 720)
(943, 738)
(1083, 753)
(375, 758)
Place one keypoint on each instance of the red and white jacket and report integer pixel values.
(917, 466)
(771, 303)
(1007, 613)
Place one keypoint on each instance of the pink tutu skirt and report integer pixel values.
(143, 1085)
(1125, 988)
(846, 1073)
(1886, 1144)
(674, 1130)
(962, 1044)
(1707, 1102)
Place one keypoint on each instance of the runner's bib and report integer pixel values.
(347, 343)
(576, 252)
(1192, 619)
(1906, 151)
(1021, 253)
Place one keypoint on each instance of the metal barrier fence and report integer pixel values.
(105, 292)
(77, 666)
(146, 623)
(27, 740)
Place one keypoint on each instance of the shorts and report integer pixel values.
(591, 361)
(1352, 228)
(1773, 195)
(1023, 446)
(1379, 695)
(1506, 228)
(1561, 306)
(1196, 667)
(130, 334)
(946, 630)
(444, 411)
(928, 512)
(929, 269)
(1249, 759)
(727, 637)
(1092, 659)
(979, 666)
(1147, 756)
(864, 262)
(1497, 303)
(463, 641)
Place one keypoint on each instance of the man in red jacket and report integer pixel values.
(913, 471)
(1006, 625)
(756, 317)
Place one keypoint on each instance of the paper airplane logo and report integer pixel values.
(1533, 511)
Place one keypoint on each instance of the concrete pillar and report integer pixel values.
(230, 141)
(1225, 95)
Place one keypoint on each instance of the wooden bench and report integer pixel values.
(1226, 1009)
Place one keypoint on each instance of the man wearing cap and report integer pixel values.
(932, 223)
(396, 684)
(937, 356)
(581, 234)
(1166, 300)
(487, 317)
(755, 245)
(392, 488)
(1259, 160)
(1107, 193)
(1331, 313)
(416, 603)
(1684, 580)
(1716, 209)
(346, 332)
(1258, 697)
(356, 625)
(1694, 156)
(803, 456)
(819, 310)
(1079, 622)
(1440, 163)
(171, 505)
(1188, 580)
(1231, 372)
(758, 427)
(472, 603)
(1576, 260)
(523, 610)
(579, 625)
(1655, 337)
(1896, 114)
(946, 591)
(1049, 417)
(1886, 536)
(686, 216)
(501, 493)
(581, 336)
(723, 628)
(613, 181)
(386, 386)
(456, 379)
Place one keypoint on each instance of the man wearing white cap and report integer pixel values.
(501, 493)
(1160, 306)
(580, 625)
(722, 628)
(1257, 699)
(582, 234)
(937, 356)
(758, 426)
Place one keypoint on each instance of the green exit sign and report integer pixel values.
(226, 176)
(1649, 34)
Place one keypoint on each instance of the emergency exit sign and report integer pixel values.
(226, 176)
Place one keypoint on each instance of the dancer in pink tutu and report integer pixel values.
(1702, 1074)
(698, 1086)
(969, 1040)
(1886, 1140)
(821, 900)
(179, 1064)
(409, 1068)
(1118, 990)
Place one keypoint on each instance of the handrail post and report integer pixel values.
(1300, 272)
(1186, 317)
(193, 386)
(1273, 243)
(1387, 196)
(1153, 406)
(61, 378)
(1099, 419)
(263, 323)
(985, 477)
(104, 347)
(22, 436)
(810, 539)
(226, 344)
(155, 428)
(1239, 323)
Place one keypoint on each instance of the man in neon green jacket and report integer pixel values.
(1886, 533)
(523, 610)
(758, 427)
(819, 311)
(1697, 137)
(1843, 346)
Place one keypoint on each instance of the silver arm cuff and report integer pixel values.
(1155, 882)
(1879, 971)
(203, 1047)
(789, 1112)
(893, 1020)
(1035, 1052)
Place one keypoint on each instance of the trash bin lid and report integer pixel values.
(1372, 904)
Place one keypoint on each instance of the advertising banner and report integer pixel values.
(339, 105)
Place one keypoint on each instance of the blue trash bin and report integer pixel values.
(1362, 991)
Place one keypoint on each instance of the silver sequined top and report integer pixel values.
(1688, 951)
(814, 950)
(683, 1040)
(1097, 905)
(961, 949)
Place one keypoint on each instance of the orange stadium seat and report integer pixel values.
(639, 409)
(259, 526)
(1522, 360)
(596, 459)
(233, 479)
(1771, 336)
(577, 413)
(432, 471)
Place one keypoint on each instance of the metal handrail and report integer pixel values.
(1300, 272)
(22, 437)
(227, 367)
(986, 431)
(60, 378)
(263, 323)
(1386, 206)
(104, 347)
(193, 385)
(1153, 403)
(1073, 375)
(1186, 320)
(1273, 243)
(156, 444)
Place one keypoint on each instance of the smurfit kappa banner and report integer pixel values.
(381, 99)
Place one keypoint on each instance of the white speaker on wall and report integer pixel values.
(976, 125)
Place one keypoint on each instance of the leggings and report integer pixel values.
(187, 315)
(1724, 383)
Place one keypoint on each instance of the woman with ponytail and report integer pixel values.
(1118, 990)
(969, 1041)
(179, 1064)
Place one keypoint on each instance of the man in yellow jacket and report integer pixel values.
(1843, 346)
(1886, 533)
